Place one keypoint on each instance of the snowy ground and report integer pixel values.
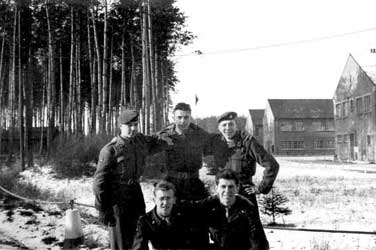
(322, 194)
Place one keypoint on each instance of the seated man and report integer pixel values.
(232, 219)
(165, 227)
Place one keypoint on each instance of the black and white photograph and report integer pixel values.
(187, 125)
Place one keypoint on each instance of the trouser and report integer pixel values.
(259, 241)
(122, 234)
(127, 213)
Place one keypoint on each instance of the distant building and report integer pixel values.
(254, 124)
(355, 114)
(299, 127)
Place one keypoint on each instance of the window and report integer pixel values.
(345, 109)
(368, 140)
(299, 126)
(317, 126)
(339, 139)
(292, 144)
(285, 126)
(323, 144)
(367, 103)
(338, 110)
(351, 106)
(359, 105)
(329, 125)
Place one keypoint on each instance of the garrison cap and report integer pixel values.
(227, 116)
(128, 115)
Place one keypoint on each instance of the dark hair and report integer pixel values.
(227, 174)
(182, 106)
(164, 186)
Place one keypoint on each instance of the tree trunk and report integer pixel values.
(78, 84)
(29, 113)
(123, 95)
(99, 74)
(20, 98)
(133, 88)
(110, 97)
(61, 121)
(51, 93)
(92, 81)
(146, 72)
(105, 72)
(1, 90)
(71, 74)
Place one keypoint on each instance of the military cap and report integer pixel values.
(127, 115)
(227, 116)
(182, 106)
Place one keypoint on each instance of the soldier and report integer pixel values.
(232, 219)
(184, 159)
(165, 226)
(240, 152)
(118, 194)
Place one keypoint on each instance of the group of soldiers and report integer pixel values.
(185, 216)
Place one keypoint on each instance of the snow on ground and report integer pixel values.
(30, 227)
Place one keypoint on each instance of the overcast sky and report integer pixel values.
(254, 50)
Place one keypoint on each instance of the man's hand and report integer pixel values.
(107, 218)
(251, 189)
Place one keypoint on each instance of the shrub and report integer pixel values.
(74, 156)
(272, 205)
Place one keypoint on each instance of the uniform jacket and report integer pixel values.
(120, 165)
(186, 154)
(162, 235)
(242, 158)
(237, 229)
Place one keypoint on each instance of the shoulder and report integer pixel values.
(244, 202)
(167, 130)
(108, 149)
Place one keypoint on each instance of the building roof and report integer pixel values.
(257, 115)
(301, 108)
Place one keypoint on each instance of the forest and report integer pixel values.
(67, 68)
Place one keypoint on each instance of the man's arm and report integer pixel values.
(101, 187)
(141, 240)
(267, 161)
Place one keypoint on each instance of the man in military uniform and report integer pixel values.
(183, 161)
(184, 158)
(232, 220)
(118, 194)
(165, 226)
(240, 152)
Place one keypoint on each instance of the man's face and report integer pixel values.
(182, 119)
(164, 202)
(227, 128)
(128, 130)
(226, 191)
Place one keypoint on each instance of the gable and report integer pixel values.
(257, 115)
(354, 81)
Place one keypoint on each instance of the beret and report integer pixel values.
(182, 106)
(227, 116)
(127, 115)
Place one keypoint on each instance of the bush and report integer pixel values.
(75, 156)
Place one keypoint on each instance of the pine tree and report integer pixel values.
(273, 205)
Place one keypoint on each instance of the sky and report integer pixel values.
(254, 50)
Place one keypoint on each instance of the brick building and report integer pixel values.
(355, 113)
(299, 127)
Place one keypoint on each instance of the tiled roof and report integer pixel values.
(302, 108)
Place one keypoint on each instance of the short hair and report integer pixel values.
(164, 185)
(182, 106)
(227, 174)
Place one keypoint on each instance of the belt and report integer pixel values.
(182, 175)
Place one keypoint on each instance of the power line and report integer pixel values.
(276, 45)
